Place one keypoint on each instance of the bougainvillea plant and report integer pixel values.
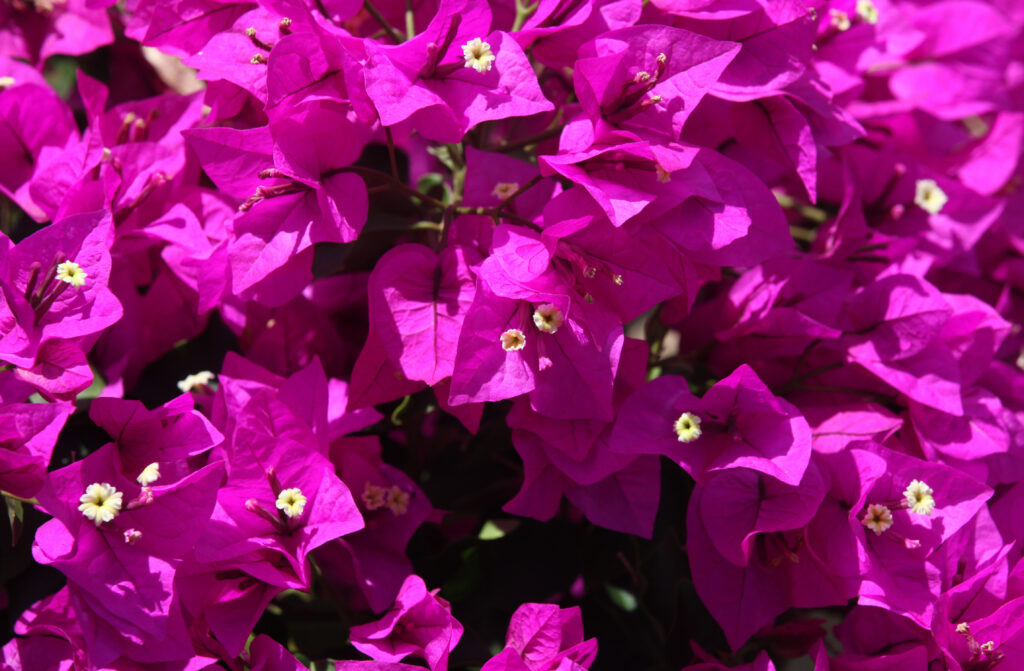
(495, 335)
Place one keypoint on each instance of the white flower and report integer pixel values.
(202, 378)
(839, 19)
(929, 197)
(513, 340)
(867, 11)
(478, 55)
(291, 502)
(919, 497)
(548, 318)
(687, 427)
(878, 518)
(398, 500)
(374, 497)
(149, 474)
(101, 502)
(503, 190)
(72, 273)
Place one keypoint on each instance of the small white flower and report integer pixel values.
(6, 82)
(513, 340)
(398, 500)
(291, 502)
(867, 11)
(72, 273)
(919, 497)
(202, 378)
(478, 55)
(929, 196)
(878, 518)
(839, 19)
(101, 502)
(976, 126)
(503, 190)
(687, 427)
(149, 474)
(548, 318)
(374, 497)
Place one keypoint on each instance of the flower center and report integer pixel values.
(101, 502)
(503, 190)
(374, 497)
(196, 382)
(72, 273)
(38, 6)
(984, 656)
(687, 427)
(149, 474)
(291, 502)
(43, 289)
(264, 192)
(633, 98)
(513, 340)
(250, 32)
(548, 318)
(478, 55)
(867, 11)
(839, 19)
(919, 497)
(929, 196)
(878, 518)
(398, 500)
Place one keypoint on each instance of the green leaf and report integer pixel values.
(443, 154)
(622, 598)
(429, 181)
(16, 518)
(94, 389)
(492, 530)
(60, 74)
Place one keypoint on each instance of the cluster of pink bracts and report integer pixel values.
(776, 243)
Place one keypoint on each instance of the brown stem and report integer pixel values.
(525, 142)
(394, 34)
(508, 201)
(391, 153)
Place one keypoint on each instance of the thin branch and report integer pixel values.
(526, 142)
(384, 177)
(395, 35)
(495, 213)
(508, 201)
(391, 153)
